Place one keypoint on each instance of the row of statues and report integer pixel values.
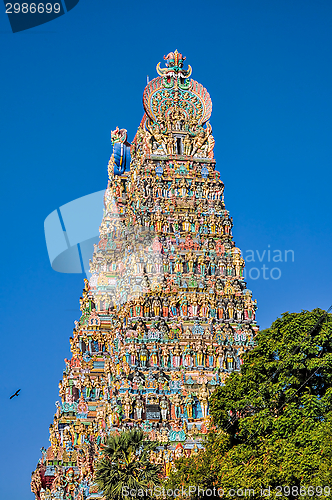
(192, 306)
(160, 187)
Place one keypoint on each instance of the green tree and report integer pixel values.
(273, 419)
(126, 466)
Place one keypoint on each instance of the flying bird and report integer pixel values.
(16, 394)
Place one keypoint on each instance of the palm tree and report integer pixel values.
(126, 466)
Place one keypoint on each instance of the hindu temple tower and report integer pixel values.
(165, 315)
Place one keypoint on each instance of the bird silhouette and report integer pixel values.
(16, 394)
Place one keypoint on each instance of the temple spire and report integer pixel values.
(166, 315)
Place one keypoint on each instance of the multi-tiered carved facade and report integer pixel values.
(166, 314)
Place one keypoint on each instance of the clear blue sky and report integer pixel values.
(66, 84)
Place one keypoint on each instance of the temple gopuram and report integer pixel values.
(165, 315)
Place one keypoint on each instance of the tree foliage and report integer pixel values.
(126, 466)
(273, 419)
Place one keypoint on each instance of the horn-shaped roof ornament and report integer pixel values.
(174, 64)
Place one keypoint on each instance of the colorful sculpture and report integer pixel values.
(166, 315)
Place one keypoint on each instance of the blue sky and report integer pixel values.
(65, 85)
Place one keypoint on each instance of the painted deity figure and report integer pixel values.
(97, 387)
(187, 145)
(204, 307)
(176, 406)
(189, 404)
(147, 310)
(190, 262)
(156, 306)
(164, 356)
(183, 188)
(249, 309)
(230, 308)
(177, 352)
(178, 268)
(133, 355)
(200, 354)
(137, 381)
(139, 307)
(240, 353)
(127, 404)
(161, 381)
(143, 356)
(220, 354)
(158, 263)
(114, 418)
(202, 264)
(203, 397)
(188, 359)
(165, 307)
(173, 306)
(70, 484)
(210, 354)
(139, 406)
(213, 307)
(186, 224)
(184, 305)
(221, 267)
(194, 305)
(88, 386)
(163, 407)
(213, 266)
(163, 328)
(154, 361)
(239, 264)
(230, 360)
(239, 311)
(165, 265)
